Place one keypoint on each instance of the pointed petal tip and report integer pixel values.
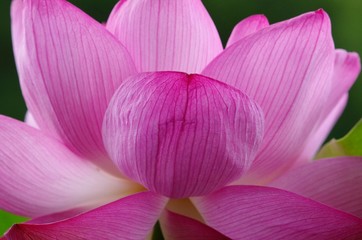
(321, 11)
(319, 16)
(324, 16)
(247, 26)
(257, 22)
(261, 17)
(351, 59)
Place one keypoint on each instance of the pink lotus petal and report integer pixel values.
(132, 217)
(59, 216)
(336, 182)
(69, 67)
(346, 69)
(286, 68)
(40, 176)
(251, 212)
(166, 35)
(181, 135)
(29, 119)
(347, 66)
(246, 27)
(178, 227)
(321, 131)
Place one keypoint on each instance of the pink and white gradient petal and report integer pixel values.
(69, 66)
(29, 119)
(246, 27)
(347, 66)
(40, 176)
(166, 35)
(286, 68)
(130, 218)
(181, 135)
(253, 212)
(335, 182)
(320, 132)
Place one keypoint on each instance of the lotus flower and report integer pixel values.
(148, 118)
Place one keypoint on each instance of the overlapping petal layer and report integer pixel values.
(336, 182)
(287, 69)
(29, 119)
(246, 27)
(251, 212)
(166, 35)
(321, 131)
(69, 67)
(178, 227)
(346, 69)
(347, 66)
(181, 135)
(130, 218)
(40, 176)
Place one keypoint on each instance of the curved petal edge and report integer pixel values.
(251, 212)
(131, 218)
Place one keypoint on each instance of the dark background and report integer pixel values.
(346, 16)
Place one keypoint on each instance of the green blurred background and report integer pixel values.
(346, 16)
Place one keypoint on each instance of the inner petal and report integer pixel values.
(181, 135)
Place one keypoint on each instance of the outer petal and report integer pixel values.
(181, 135)
(250, 212)
(246, 27)
(347, 66)
(336, 182)
(178, 227)
(321, 131)
(166, 35)
(132, 217)
(286, 68)
(69, 66)
(346, 69)
(39, 176)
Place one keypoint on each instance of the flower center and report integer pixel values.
(181, 135)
